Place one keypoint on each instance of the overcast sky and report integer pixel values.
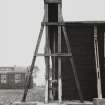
(20, 25)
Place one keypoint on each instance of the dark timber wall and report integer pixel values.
(81, 37)
(82, 46)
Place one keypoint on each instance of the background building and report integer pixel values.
(13, 77)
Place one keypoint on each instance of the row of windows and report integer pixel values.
(17, 78)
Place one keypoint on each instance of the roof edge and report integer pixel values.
(87, 22)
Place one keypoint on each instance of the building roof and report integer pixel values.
(87, 22)
(14, 69)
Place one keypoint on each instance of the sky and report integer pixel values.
(20, 24)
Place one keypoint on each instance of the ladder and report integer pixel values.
(53, 84)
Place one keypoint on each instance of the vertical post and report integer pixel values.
(59, 58)
(99, 91)
(54, 77)
(47, 58)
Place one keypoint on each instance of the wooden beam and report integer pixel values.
(47, 57)
(32, 65)
(53, 1)
(54, 67)
(99, 90)
(53, 23)
(59, 58)
(73, 65)
(56, 54)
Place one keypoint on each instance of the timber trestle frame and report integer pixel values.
(61, 28)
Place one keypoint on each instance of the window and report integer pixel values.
(3, 78)
(17, 78)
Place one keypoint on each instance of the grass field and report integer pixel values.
(7, 97)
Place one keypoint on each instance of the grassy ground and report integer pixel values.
(7, 97)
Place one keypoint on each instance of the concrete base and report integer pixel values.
(97, 101)
(53, 103)
(78, 103)
(33, 103)
(24, 103)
